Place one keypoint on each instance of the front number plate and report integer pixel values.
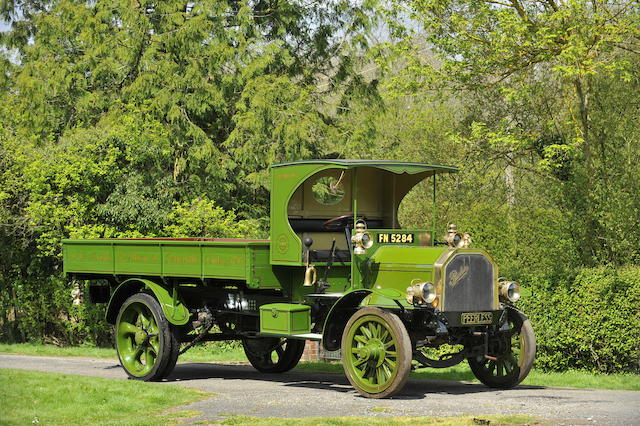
(471, 318)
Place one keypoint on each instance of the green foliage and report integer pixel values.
(540, 84)
(589, 321)
(138, 119)
(201, 218)
(276, 121)
(124, 119)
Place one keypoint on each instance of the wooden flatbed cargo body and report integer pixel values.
(338, 268)
(173, 258)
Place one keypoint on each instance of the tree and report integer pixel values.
(140, 118)
(535, 76)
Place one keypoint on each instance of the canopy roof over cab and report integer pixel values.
(397, 167)
(369, 188)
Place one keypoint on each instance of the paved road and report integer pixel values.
(241, 390)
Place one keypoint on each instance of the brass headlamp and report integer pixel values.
(361, 239)
(509, 291)
(456, 239)
(421, 292)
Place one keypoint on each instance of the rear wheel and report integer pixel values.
(513, 351)
(272, 354)
(174, 352)
(376, 352)
(146, 342)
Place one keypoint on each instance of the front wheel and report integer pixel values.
(146, 342)
(272, 354)
(513, 352)
(376, 352)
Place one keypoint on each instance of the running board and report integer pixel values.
(306, 336)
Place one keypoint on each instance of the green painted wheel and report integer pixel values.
(145, 341)
(376, 352)
(272, 354)
(514, 351)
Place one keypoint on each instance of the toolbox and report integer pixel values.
(285, 318)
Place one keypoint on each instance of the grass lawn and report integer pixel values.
(365, 421)
(32, 397)
(212, 353)
(200, 353)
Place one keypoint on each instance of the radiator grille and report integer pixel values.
(468, 283)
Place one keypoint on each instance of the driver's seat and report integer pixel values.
(323, 239)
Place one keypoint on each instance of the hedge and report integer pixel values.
(590, 321)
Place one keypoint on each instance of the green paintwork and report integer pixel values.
(137, 339)
(246, 260)
(256, 289)
(371, 354)
(397, 167)
(373, 189)
(380, 297)
(174, 309)
(394, 267)
(287, 177)
(286, 245)
(406, 255)
(285, 318)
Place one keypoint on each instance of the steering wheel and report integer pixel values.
(338, 223)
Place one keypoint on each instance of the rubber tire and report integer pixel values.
(174, 353)
(403, 349)
(262, 362)
(167, 338)
(525, 364)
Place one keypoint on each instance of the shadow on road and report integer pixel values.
(414, 389)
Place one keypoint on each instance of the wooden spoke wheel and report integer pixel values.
(376, 352)
(272, 354)
(146, 342)
(514, 351)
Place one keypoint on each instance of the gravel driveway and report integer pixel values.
(241, 390)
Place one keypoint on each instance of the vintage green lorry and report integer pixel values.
(338, 268)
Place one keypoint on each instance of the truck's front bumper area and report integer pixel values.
(472, 319)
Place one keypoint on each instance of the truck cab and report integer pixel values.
(318, 199)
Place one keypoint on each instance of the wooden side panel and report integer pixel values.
(181, 260)
(233, 260)
(138, 259)
(88, 258)
(262, 273)
(224, 262)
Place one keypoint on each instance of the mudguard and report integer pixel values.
(342, 310)
(173, 307)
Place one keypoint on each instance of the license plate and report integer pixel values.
(471, 318)
(395, 238)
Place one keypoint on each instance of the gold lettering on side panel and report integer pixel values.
(218, 260)
(283, 244)
(182, 260)
(137, 258)
(93, 257)
(288, 176)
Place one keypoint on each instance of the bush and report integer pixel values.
(46, 314)
(590, 321)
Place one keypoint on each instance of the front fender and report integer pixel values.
(342, 310)
(173, 308)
